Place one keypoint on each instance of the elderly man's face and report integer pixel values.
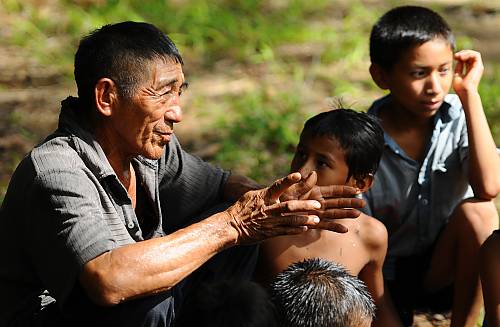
(146, 123)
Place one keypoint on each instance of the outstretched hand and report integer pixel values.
(337, 201)
(468, 71)
(260, 214)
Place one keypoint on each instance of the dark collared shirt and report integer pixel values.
(415, 199)
(65, 206)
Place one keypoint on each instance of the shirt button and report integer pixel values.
(130, 225)
(425, 202)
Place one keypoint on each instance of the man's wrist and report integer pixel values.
(223, 227)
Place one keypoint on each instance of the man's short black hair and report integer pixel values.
(228, 303)
(321, 293)
(359, 134)
(121, 52)
(402, 28)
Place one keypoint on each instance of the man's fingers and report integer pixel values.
(295, 220)
(331, 226)
(305, 186)
(343, 203)
(300, 190)
(281, 185)
(338, 213)
(338, 191)
(292, 206)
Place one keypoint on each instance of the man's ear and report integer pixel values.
(106, 96)
(365, 183)
(379, 76)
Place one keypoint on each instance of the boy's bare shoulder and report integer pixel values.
(372, 232)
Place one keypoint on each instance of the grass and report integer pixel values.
(261, 125)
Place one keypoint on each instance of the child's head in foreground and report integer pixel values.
(343, 146)
(321, 293)
(411, 51)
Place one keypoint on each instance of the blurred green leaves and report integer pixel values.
(291, 49)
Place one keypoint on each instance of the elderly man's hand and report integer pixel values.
(337, 201)
(259, 214)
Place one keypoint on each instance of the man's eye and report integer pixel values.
(168, 93)
(183, 88)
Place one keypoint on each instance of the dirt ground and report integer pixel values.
(30, 94)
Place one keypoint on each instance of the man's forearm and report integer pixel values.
(155, 265)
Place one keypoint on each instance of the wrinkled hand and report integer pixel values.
(260, 214)
(337, 202)
(468, 71)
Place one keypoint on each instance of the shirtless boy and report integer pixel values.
(341, 146)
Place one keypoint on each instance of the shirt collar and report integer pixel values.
(73, 121)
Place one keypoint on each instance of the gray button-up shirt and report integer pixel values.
(414, 199)
(65, 206)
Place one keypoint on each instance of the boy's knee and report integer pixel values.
(476, 216)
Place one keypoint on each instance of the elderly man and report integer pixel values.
(99, 216)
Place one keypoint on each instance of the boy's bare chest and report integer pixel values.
(347, 249)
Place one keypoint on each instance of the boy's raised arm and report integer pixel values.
(484, 162)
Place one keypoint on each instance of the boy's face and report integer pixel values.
(422, 77)
(324, 155)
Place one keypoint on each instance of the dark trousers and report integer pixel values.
(408, 293)
(152, 311)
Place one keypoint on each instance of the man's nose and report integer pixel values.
(174, 111)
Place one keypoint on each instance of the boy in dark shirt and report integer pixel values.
(436, 145)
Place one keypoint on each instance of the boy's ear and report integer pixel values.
(106, 96)
(379, 76)
(365, 183)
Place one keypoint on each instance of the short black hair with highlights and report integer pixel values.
(402, 28)
(359, 134)
(122, 52)
(321, 293)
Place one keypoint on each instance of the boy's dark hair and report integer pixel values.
(359, 134)
(402, 28)
(122, 53)
(228, 303)
(320, 293)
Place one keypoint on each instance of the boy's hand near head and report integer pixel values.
(468, 72)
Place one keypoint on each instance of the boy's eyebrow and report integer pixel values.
(327, 156)
(417, 65)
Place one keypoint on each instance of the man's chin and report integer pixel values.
(155, 153)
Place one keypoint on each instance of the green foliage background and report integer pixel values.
(265, 41)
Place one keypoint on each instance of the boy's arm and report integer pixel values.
(484, 162)
(371, 275)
